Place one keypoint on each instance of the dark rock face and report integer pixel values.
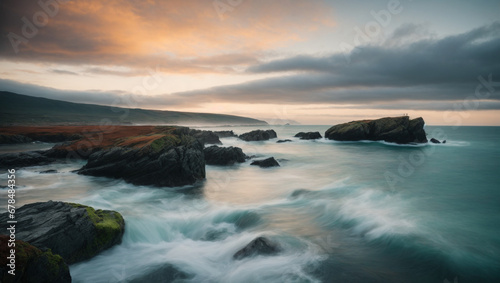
(400, 130)
(205, 137)
(74, 231)
(309, 135)
(258, 135)
(215, 155)
(165, 273)
(24, 159)
(259, 246)
(282, 141)
(32, 264)
(269, 162)
(225, 134)
(169, 166)
(433, 140)
(13, 139)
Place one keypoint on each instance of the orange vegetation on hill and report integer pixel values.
(88, 137)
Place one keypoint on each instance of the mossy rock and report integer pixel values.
(109, 228)
(32, 264)
(75, 232)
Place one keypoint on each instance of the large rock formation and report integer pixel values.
(75, 232)
(159, 166)
(215, 155)
(31, 264)
(259, 246)
(308, 135)
(265, 163)
(142, 155)
(258, 135)
(400, 130)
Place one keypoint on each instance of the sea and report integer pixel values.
(339, 212)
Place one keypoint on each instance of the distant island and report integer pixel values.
(23, 110)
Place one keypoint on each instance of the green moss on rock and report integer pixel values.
(108, 227)
(33, 265)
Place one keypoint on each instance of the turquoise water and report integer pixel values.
(341, 211)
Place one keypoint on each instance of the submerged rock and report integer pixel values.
(164, 273)
(433, 140)
(31, 264)
(308, 135)
(74, 231)
(24, 159)
(259, 246)
(215, 155)
(282, 141)
(258, 135)
(400, 130)
(51, 171)
(265, 163)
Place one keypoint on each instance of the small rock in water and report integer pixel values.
(259, 246)
(433, 140)
(281, 141)
(308, 135)
(258, 135)
(215, 155)
(269, 162)
(444, 141)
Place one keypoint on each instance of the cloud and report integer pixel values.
(427, 69)
(181, 36)
(63, 72)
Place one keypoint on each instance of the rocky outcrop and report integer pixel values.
(258, 135)
(142, 155)
(259, 246)
(75, 232)
(282, 141)
(159, 164)
(205, 137)
(225, 134)
(24, 159)
(215, 155)
(265, 163)
(400, 130)
(308, 135)
(31, 264)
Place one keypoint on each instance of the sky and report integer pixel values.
(313, 62)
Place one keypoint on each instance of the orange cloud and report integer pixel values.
(179, 35)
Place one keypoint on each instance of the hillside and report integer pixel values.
(17, 109)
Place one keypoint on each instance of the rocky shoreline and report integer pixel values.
(144, 155)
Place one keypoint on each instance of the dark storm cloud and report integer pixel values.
(444, 69)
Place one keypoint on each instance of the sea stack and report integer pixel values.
(399, 130)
